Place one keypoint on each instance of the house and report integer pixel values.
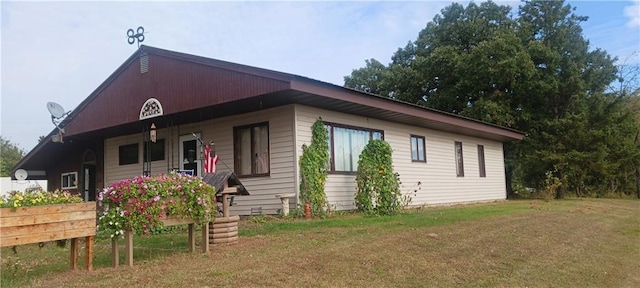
(258, 120)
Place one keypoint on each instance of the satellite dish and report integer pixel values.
(55, 109)
(57, 113)
(21, 174)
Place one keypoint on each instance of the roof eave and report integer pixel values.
(329, 90)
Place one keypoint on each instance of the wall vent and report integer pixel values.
(144, 63)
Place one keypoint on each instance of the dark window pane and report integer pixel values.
(128, 154)
(459, 159)
(483, 171)
(189, 150)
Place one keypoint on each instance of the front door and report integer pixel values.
(89, 182)
(190, 154)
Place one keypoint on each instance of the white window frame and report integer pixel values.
(73, 176)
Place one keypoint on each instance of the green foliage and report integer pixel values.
(551, 185)
(140, 203)
(370, 79)
(313, 169)
(258, 219)
(535, 73)
(14, 267)
(378, 186)
(17, 199)
(10, 155)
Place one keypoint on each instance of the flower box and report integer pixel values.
(143, 203)
(34, 224)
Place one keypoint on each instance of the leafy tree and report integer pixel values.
(370, 79)
(635, 106)
(566, 75)
(10, 154)
(628, 86)
(534, 73)
(461, 60)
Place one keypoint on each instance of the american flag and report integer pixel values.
(210, 161)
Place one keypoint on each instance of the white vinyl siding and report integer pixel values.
(439, 183)
(113, 170)
(220, 131)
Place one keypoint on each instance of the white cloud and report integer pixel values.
(633, 13)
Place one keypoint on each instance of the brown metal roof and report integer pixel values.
(179, 83)
(193, 88)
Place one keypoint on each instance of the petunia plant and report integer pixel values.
(140, 203)
(15, 199)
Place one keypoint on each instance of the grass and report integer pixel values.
(570, 243)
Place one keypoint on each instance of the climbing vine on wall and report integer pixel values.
(313, 169)
(378, 186)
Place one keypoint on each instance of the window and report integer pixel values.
(155, 152)
(346, 143)
(251, 149)
(128, 154)
(417, 149)
(483, 171)
(459, 160)
(69, 180)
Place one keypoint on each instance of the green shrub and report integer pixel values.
(313, 169)
(378, 186)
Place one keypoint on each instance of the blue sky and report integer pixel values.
(62, 51)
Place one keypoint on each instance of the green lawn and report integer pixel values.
(570, 243)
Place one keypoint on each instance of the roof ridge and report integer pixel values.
(213, 62)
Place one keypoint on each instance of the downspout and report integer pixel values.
(296, 156)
